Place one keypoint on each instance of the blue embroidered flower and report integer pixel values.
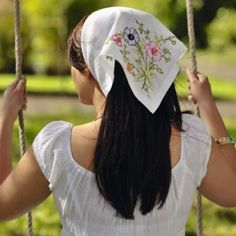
(131, 36)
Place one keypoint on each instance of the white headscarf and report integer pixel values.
(147, 51)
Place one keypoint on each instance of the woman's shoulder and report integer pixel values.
(191, 120)
(49, 148)
(53, 131)
(194, 127)
(55, 125)
(196, 145)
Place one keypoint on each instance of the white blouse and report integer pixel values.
(84, 212)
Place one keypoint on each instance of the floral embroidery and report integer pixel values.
(153, 51)
(149, 50)
(129, 68)
(109, 58)
(117, 40)
(131, 36)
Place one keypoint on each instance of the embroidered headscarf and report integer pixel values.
(147, 51)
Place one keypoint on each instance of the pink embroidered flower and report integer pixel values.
(153, 51)
(117, 40)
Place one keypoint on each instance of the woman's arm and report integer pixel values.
(14, 99)
(25, 186)
(5, 148)
(219, 185)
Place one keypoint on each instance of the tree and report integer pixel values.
(77, 9)
(7, 61)
(46, 26)
(173, 14)
(205, 15)
(45, 35)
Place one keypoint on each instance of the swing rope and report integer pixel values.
(19, 76)
(192, 46)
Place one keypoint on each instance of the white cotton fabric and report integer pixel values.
(147, 51)
(84, 212)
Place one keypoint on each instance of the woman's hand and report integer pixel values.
(199, 88)
(14, 100)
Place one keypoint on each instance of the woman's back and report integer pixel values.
(82, 208)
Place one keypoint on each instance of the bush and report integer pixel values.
(222, 31)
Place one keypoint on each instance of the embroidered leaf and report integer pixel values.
(109, 58)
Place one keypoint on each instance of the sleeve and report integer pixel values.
(47, 147)
(203, 162)
(199, 147)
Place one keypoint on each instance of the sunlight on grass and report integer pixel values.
(42, 83)
(221, 88)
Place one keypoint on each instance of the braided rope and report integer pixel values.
(191, 35)
(18, 56)
(192, 46)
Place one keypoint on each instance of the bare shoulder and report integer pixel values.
(83, 143)
(88, 131)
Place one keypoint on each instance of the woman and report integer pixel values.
(135, 168)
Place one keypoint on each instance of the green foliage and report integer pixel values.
(148, 5)
(222, 31)
(78, 9)
(6, 36)
(173, 14)
(46, 26)
(217, 221)
(46, 38)
(169, 12)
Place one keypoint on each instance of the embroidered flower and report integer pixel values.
(129, 68)
(143, 53)
(131, 36)
(153, 51)
(117, 40)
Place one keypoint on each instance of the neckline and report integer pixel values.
(80, 167)
(92, 174)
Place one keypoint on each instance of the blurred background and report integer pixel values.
(45, 29)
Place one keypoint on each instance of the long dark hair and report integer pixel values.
(132, 159)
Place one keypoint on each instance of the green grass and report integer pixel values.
(42, 83)
(217, 221)
(221, 88)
